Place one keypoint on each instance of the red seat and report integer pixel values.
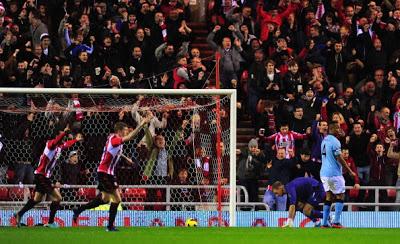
(136, 207)
(391, 193)
(353, 193)
(87, 193)
(10, 175)
(16, 194)
(3, 193)
(135, 195)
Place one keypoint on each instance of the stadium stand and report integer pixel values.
(295, 63)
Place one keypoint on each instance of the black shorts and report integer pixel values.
(107, 183)
(43, 184)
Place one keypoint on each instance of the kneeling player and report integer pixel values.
(43, 172)
(304, 194)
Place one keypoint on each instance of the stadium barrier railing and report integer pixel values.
(16, 195)
(376, 202)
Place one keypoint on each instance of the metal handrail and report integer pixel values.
(244, 204)
(168, 194)
(376, 189)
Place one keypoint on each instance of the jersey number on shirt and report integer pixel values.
(323, 151)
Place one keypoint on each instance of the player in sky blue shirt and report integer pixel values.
(330, 149)
(303, 193)
(331, 175)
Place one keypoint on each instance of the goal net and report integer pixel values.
(182, 161)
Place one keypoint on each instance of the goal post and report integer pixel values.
(171, 100)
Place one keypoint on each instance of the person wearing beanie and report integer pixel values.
(250, 165)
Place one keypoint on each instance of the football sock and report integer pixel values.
(113, 214)
(53, 209)
(326, 211)
(315, 214)
(92, 204)
(338, 211)
(29, 205)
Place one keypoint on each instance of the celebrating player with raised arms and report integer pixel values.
(48, 161)
(108, 185)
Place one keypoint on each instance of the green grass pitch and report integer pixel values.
(197, 235)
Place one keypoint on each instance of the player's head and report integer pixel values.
(379, 149)
(345, 153)
(323, 127)
(284, 128)
(159, 141)
(121, 129)
(280, 153)
(278, 188)
(334, 128)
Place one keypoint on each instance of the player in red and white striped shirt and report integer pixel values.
(47, 162)
(108, 185)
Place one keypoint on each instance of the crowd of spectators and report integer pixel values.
(297, 65)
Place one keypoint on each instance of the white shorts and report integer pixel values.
(335, 184)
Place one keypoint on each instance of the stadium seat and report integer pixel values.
(391, 193)
(4, 194)
(87, 193)
(16, 194)
(353, 193)
(134, 195)
(10, 175)
(225, 195)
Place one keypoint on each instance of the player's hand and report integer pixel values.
(79, 137)
(129, 161)
(288, 223)
(185, 123)
(357, 186)
(57, 185)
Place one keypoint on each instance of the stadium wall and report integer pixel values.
(204, 218)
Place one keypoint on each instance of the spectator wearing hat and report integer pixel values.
(49, 52)
(250, 165)
(72, 172)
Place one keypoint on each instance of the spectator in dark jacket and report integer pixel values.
(336, 66)
(250, 164)
(279, 169)
(358, 143)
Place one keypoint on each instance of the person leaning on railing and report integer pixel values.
(395, 155)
